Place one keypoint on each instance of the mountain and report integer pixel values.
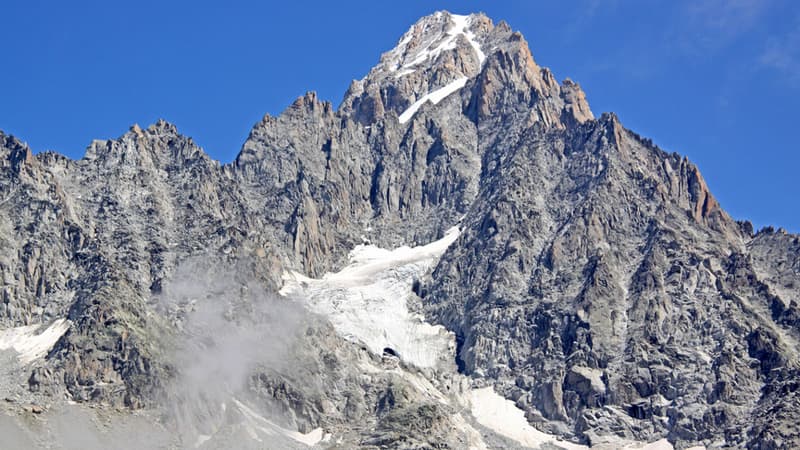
(374, 275)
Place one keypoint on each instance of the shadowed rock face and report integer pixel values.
(596, 282)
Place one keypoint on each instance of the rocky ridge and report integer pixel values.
(596, 282)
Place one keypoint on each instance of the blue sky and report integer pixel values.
(718, 80)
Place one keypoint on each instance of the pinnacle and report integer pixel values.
(13, 148)
(163, 126)
(159, 127)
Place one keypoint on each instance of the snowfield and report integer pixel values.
(501, 415)
(367, 301)
(32, 342)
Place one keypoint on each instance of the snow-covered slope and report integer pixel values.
(501, 415)
(32, 342)
(367, 301)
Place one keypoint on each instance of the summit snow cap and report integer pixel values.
(431, 36)
(464, 60)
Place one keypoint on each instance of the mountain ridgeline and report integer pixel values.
(596, 281)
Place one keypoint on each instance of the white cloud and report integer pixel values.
(782, 54)
(710, 25)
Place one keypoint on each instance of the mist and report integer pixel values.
(226, 327)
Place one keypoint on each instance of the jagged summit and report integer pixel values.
(158, 145)
(430, 36)
(14, 153)
(10, 144)
(438, 51)
(159, 127)
(443, 54)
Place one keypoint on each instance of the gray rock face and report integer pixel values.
(597, 282)
(600, 282)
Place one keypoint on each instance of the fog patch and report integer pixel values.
(228, 326)
(72, 426)
(13, 435)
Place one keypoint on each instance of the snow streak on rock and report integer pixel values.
(434, 97)
(405, 60)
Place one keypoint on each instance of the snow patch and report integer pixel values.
(404, 72)
(366, 301)
(32, 342)
(256, 422)
(501, 415)
(201, 439)
(462, 24)
(434, 97)
(662, 444)
(595, 376)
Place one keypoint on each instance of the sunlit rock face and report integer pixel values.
(461, 226)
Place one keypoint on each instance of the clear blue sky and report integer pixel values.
(718, 80)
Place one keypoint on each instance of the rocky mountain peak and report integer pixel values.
(442, 54)
(426, 40)
(158, 145)
(162, 126)
(15, 154)
(575, 104)
(439, 52)
(12, 148)
(580, 271)
(310, 103)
